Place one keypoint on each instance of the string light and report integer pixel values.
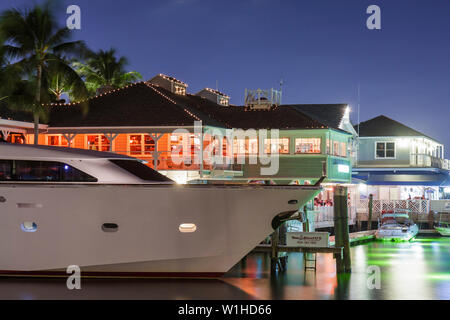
(171, 100)
(154, 86)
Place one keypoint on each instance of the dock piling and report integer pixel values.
(342, 239)
(369, 219)
(274, 254)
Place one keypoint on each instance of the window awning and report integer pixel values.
(402, 176)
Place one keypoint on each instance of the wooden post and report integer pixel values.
(342, 239)
(306, 221)
(358, 222)
(431, 219)
(369, 219)
(274, 255)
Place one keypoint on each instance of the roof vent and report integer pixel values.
(215, 96)
(262, 99)
(169, 83)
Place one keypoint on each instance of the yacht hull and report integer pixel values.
(397, 235)
(230, 221)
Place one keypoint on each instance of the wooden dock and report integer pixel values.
(358, 237)
(428, 232)
(283, 248)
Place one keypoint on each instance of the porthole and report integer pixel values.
(110, 227)
(187, 228)
(28, 226)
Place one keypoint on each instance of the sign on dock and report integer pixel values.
(308, 239)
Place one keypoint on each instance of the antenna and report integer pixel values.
(217, 85)
(281, 88)
(357, 139)
(359, 103)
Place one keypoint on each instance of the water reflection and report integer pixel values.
(414, 270)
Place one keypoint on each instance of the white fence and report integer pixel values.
(324, 216)
(440, 205)
(415, 206)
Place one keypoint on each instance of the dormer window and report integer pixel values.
(215, 96)
(180, 90)
(169, 83)
(224, 101)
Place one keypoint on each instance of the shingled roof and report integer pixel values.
(383, 126)
(136, 105)
(8, 114)
(144, 104)
(329, 114)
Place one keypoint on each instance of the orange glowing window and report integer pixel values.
(141, 144)
(98, 142)
(57, 140)
(307, 145)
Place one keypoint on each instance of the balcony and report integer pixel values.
(427, 161)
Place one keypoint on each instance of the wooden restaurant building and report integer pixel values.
(139, 120)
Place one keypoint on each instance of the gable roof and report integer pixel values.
(145, 104)
(383, 126)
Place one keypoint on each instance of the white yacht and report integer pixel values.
(396, 226)
(112, 215)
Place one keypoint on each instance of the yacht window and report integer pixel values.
(140, 170)
(23, 170)
(187, 228)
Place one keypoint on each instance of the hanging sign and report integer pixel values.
(308, 239)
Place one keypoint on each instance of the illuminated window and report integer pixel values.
(57, 140)
(343, 149)
(97, 142)
(276, 145)
(251, 146)
(180, 90)
(215, 144)
(16, 138)
(245, 147)
(223, 101)
(140, 144)
(238, 146)
(135, 144)
(336, 147)
(385, 150)
(307, 145)
(149, 144)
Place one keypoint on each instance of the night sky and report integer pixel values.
(321, 48)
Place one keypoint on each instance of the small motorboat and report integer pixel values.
(396, 226)
(443, 228)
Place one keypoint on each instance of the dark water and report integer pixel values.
(416, 270)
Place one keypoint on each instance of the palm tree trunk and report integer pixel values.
(38, 102)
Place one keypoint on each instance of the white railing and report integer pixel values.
(415, 206)
(425, 160)
(325, 215)
(440, 205)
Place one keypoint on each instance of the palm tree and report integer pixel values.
(37, 44)
(60, 83)
(104, 71)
